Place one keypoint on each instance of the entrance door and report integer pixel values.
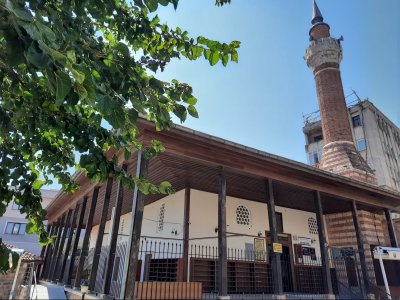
(286, 260)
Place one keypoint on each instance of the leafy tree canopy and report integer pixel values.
(74, 76)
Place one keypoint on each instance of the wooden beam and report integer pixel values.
(392, 231)
(69, 240)
(56, 272)
(130, 266)
(113, 237)
(186, 233)
(275, 257)
(76, 241)
(222, 271)
(361, 250)
(100, 235)
(85, 244)
(326, 272)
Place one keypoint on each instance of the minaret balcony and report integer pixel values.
(324, 50)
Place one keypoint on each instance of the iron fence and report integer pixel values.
(164, 272)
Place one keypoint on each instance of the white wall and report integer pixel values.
(204, 220)
(173, 220)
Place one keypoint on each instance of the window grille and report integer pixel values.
(243, 215)
(161, 215)
(312, 225)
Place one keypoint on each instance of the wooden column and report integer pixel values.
(222, 271)
(56, 272)
(76, 241)
(44, 252)
(275, 257)
(100, 236)
(113, 237)
(49, 255)
(56, 247)
(392, 231)
(85, 244)
(130, 266)
(326, 272)
(186, 228)
(361, 250)
(69, 240)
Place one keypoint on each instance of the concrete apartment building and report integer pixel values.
(376, 137)
(13, 225)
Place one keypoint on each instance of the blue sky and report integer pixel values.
(259, 102)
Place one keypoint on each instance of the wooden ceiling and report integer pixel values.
(195, 160)
(182, 172)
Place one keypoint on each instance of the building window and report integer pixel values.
(314, 157)
(361, 145)
(356, 121)
(312, 225)
(279, 222)
(243, 215)
(15, 228)
(317, 138)
(161, 215)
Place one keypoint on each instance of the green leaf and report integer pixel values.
(78, 76)
(104, 104)
(46, 32)
(71, 56)
(180, 112)
(123, 48)
(53, 53)
(81, 91)
(63, 86)
(192, 111)
(197, 51)
(37, 184)
(132, 115)
(225, 59)
(163, 2)
(117, 117)
(207, 54)
(165, 187)
(31, 227)
(21, 13)
(39, 60)
(234, 56)
(156, 84)
(175, 3)
(214, 58)
(151, 5)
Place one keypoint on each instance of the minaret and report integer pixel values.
(323, 57)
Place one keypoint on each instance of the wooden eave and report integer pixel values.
(194, 159)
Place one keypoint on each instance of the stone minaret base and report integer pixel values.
(341, 233)
(343, 158)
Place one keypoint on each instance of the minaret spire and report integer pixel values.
(316, 14)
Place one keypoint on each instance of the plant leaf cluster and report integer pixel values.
(74, 77)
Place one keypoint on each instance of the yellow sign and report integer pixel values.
(277, 247)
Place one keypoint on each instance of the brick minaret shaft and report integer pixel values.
(323, 57)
